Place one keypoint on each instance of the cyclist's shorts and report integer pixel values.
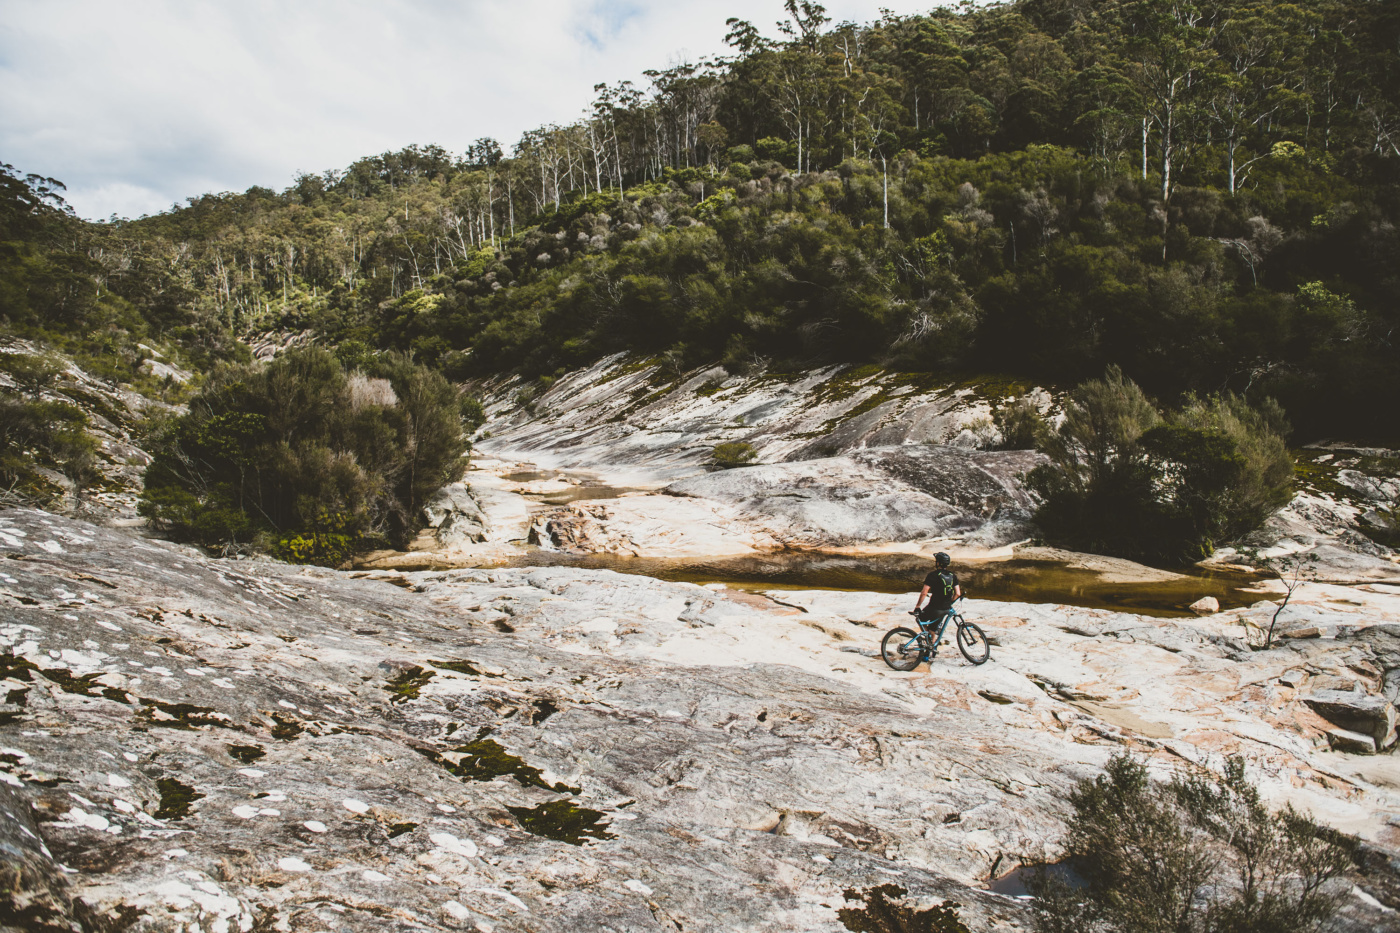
(929, 615)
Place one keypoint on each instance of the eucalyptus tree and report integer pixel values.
(1255, 75)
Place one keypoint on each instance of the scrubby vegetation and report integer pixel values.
(94, 292)
(1207, 195)
(1197, 855)
(306, 457)
(40, 436)
(1125, 479)
(36, 436)
(733, 454)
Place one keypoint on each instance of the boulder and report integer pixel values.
(1377, 488)
(456, 516)
(1344, 740)
(1356, 712)
(1205, 606)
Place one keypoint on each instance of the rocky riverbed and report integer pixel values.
(219, 745)
(611, 459)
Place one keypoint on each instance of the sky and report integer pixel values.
(140, 104)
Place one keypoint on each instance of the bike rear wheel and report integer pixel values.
(973, 644)
(900, 649)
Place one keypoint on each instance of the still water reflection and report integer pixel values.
(1030, 581)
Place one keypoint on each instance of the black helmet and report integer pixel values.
(942, 559)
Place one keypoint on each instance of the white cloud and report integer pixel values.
(140, 104)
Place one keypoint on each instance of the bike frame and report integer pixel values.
(926, 627)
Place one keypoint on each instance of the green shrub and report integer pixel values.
(31, 373)
(306, 456)
(1202, 853)
(733, 454)
(1020, 425)
(51, 435)
(473, 413)
(1125, 481)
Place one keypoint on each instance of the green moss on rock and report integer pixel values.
(246, 753)
(182, 715)
(883, 912)
(563, 821)
(176, 798)
(486, 759)
(406, 685)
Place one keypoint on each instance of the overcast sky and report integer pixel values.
(138, 104)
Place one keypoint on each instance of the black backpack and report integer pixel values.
(943, 593)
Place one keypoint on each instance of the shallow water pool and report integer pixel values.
(1016, 580)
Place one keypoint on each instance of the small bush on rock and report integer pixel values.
(307, 458)
(36, 436)
(733, 454)
(1198, 854)
(1125, 480)
(1020, 425)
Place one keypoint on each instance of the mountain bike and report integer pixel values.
(903, 649)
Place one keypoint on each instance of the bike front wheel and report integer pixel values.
(973, 644)
(901, 649)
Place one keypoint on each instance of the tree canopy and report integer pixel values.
(1204, 194)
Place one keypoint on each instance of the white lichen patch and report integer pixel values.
(78, 817)
(506, 896)
(451, 844)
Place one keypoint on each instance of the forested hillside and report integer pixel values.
(1205, 194)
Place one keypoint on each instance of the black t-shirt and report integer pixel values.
(941, 586)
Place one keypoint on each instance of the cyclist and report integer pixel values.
(941, 589)
(903, 650)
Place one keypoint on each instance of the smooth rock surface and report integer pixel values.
(878, 495)
(218, 744)
(621, 411)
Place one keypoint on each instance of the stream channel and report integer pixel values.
(1004, 580)
(1013, 580)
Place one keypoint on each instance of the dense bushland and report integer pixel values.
(1207, 195)
(306, 458)
(89, 291)
(1197, 855)
(1125, 479)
